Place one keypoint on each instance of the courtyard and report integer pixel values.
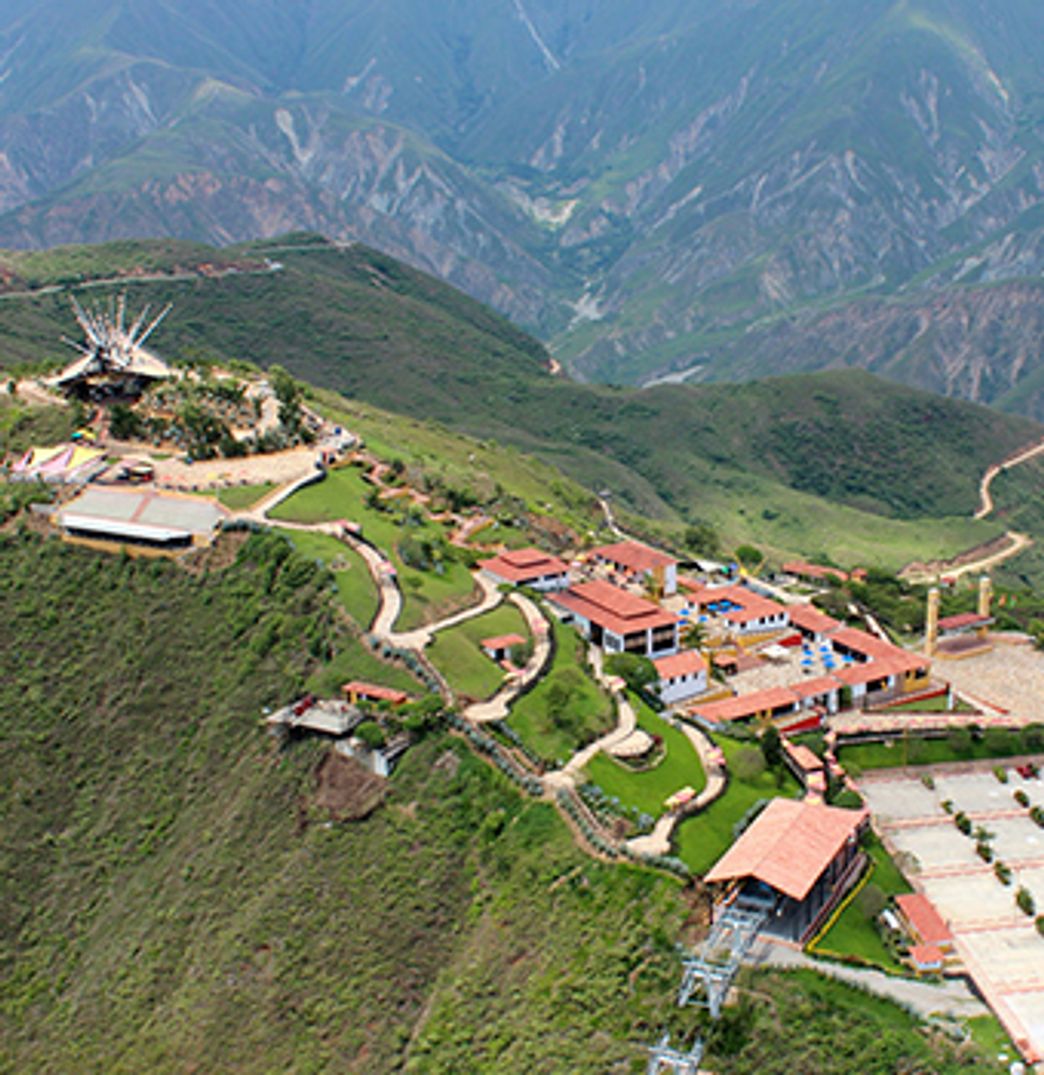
(999, 945)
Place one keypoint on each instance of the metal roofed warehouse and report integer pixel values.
(143, 518)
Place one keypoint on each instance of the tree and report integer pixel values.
(702, 539)
(288, 392)
(749, 555)
(639, 673)
(124, 424)
(562, 689)
(370, 733)
(771, 747)
(871, 901)
(694, 636)
(748, 765)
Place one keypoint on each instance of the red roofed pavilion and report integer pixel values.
(796, 859)
(618, 621)
(528, 567)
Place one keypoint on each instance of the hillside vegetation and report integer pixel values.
(172, 895)
(755, 461)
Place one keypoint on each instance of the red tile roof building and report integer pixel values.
(528, 567)
(639, 562)
(682, 676)
(811, 622)
(498, 647)
(618, 621)
(743, 609)
(964, 621)
(924, 921)
(803, 569)
(803, 854)
(357, 691)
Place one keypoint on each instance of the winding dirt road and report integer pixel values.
(985, 498)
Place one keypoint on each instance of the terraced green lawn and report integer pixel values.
(238, 497)
(702, 839)
(566, 709)
(995, 743)
(854, 933)
(680, 767)
(427, 595)
(457, 654)
(355, 584)
(354, 660)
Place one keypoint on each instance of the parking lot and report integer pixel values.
(999, 944)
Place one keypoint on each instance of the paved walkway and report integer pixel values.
(627, 721)
(421, 636)
(496, 708)
(951, 997)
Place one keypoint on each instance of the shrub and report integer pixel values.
(748, 764)
(371, 735)
(960, 741)
(984, 851)
(1002, 873)
(1000, 773)
(1040, 924)
(998, 742)
(1037, 814)
(1024, 899)
(1021, 797)
(771, 747)
(871, 900)
(1033, 737)
(963, 822)
(928, 781)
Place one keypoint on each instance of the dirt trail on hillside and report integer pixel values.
(985, 498)
(975, 561)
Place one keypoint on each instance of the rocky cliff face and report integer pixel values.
(660, 190)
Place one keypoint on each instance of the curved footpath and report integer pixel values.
(627, 721)
(658, 842)
(985, 497)
(496, 708)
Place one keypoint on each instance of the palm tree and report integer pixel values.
(694, 636)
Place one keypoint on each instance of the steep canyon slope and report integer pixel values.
(686, 189)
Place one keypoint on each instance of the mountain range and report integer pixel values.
(679, 190)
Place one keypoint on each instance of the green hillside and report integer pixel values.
(172, 895)
(839, 462)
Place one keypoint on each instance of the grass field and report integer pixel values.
(705, 837)
(854, 933)
(456, 652)
(994, 743)
(352, 659)
(427, 595)
(481, 466)
(646, 791)
(826, 1027)
(238, 497)
(355, 584)
(554, 728)
(932, 705)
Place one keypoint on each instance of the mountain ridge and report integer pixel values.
(639, 186)
(834, 457)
